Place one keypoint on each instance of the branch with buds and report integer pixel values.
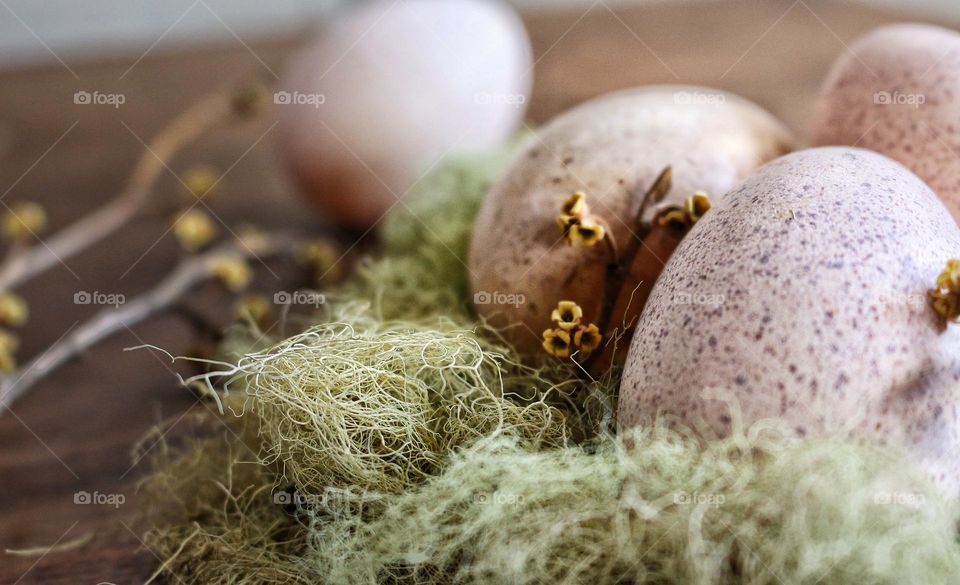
(226, 263)
(194, 229)
(581, 228)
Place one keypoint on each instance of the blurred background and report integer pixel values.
(39, 31)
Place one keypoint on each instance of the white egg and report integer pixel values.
(389, 88)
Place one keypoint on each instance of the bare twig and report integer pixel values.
(23, 263)
(190, 272)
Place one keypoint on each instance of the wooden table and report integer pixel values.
(75, 431)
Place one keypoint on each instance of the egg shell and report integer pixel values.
(612, 148)
(897, 91)
(802, 295)
(388, 88)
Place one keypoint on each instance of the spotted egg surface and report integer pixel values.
(897, 91)
(802, 296)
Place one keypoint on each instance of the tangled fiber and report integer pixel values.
(399, 442)
(359, 404)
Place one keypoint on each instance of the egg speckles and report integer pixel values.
(802, 294)
(897, 91)
(611, 148)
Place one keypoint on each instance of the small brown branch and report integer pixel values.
(189, 273)
(24, 263)
(619, 270)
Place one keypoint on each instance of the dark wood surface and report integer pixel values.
(75, 431)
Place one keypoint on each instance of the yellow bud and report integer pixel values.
(575, 205)
(567, 314)
(232, 272)
(194, 229)
(556, 342)
(256, 308)
(697, 205)
(586, 232)
(587, 338)
(201, 181)
(9, 342)
(321, 256)
(13, 310)
(24, 220)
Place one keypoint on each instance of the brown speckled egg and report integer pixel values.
(612, 148)
(802, 296)
(897, 91)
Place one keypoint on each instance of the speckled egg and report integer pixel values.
(897, 91)
(802, 296)
(388, 89)
(612, 148)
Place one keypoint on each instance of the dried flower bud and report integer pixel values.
(24, 220)
(201, 182)
(232, 272)
(556, 342)
(587, 338)
(13, 310)
(8, 348)
(9, 342)
(322, 257)
(194, 229)
(255, 308)
(567, 315)
(674, 218)
(696, 205)
(945, 298)
(575, 205)
(586, 232)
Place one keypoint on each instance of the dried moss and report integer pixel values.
(669, 511)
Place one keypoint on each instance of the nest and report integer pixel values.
(400, 441)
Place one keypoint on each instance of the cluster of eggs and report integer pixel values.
(801, 294)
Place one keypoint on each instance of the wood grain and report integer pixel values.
(75, 431)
